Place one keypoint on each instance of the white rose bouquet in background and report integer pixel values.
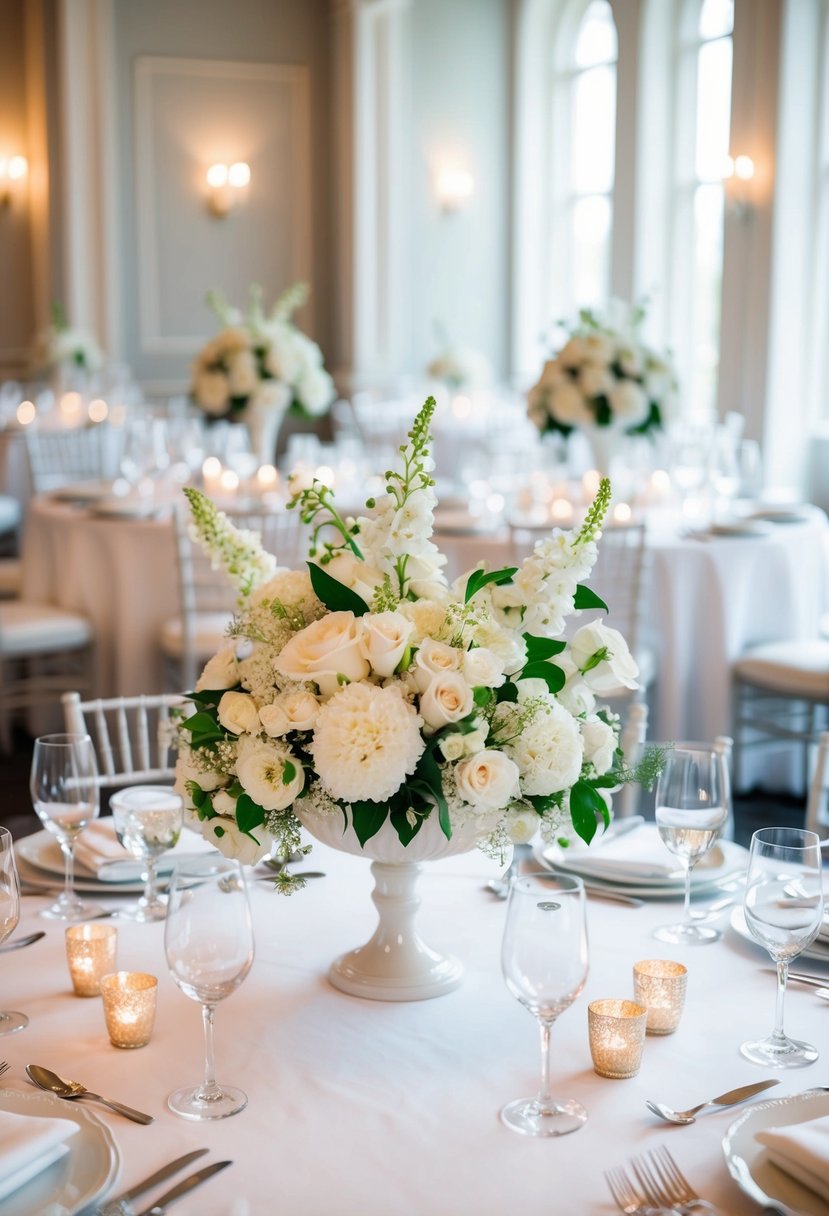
(369, 689)
(604, 376)
(60, 346)
(461, 367)
(261, 361)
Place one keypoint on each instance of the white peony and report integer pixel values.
(238, 713)
(315, 391)
(446, 699)
(628, 402)
(482, 668)
(427, 618)
(602, 656)
(324, 651)
(384, 641)
(231, 841)
(547, 749)
(488, 780)
(366, 742)
(270, 773)
(599, 744)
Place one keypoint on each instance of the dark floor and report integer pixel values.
(757, 809)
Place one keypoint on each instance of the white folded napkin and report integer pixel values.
(802, 1151)
(637, 855)
(28, 1145)
(101, 855)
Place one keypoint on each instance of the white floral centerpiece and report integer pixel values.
(369, 692)
(461, 367)
(62, 347)
(604, 377)
(260, 367)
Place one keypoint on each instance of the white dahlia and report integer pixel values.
(366, 742)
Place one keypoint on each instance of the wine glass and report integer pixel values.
(147, 820)
(544, 961)
(783, 905)
(691, 812)
(208, 942)
(9, 916)
(64, 789)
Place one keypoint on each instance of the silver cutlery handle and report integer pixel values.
(137, 1116)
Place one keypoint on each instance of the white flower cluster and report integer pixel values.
(605, 376)
(406, 694)
(461, 367)
(60, 346)
(261, 362)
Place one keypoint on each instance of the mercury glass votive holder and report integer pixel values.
(617, 1034)
(660, 985)
(90, 953)
(129, 1007)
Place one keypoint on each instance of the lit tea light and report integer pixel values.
(622, 513)
(660, 985)
(267, 477)
(617, 1035)
(561, 511)
(228, 481)
(26, 413)
(71, 408)
(325, 474)
(90, 953)
(461, 407)
(211, 472)
(590, 482)
(659, 483)
(129, 999)
(98, 410)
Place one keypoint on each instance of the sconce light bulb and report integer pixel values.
(239, 174)
(744, 168)
(728, 167)
(454, 187)
(18, 168)
(217, 176)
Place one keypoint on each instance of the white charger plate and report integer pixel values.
(747, 1160)
(818, 950)
(80, 1177)
(722, 861)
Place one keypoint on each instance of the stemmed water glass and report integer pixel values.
(691, 812)
(544, 962)
(9, 916)
(208, 942)
(64, 790)
(783, 906)
(147, 820)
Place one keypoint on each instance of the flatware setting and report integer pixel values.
(22, 942)
(4, 1066)
(180, 1190)
(121, 1205)
(44, 1078)
(731, 1098)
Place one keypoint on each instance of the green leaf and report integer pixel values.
(597, 657)
(202, 723)
(507, 692)
(587, 598)
(210, 696)
(428, 772)
(368, 818)
(586, 805)
(334, 594)
(249, 814)
(479, 579)
(482, 696)
(542, 648)
(406, 832)
(288, 772)
(553, 676)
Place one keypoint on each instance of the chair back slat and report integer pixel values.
(124, 742)
(133, 736)
(84, 453)
(106, 758)
(817, 805)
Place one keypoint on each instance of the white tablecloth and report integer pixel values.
(361, 1108)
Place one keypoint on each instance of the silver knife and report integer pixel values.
(183, 1188)
(801, 977)
(121, 1205)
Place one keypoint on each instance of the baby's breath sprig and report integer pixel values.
(592, 526)
(316, 507)
(237, 551)
(413, 477)
(384, 598)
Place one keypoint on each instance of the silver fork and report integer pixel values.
(626, 1196)
(663, 1182)
(4, 1066)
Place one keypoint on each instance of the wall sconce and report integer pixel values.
(227, 187)
(454, 188)
(13, 170)
(738, 172)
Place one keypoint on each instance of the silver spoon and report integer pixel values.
(728, 1099)
(22, 941)
(44, 1078)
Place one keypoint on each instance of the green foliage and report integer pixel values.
(479, 579)
(586, 808)
(587, 598)
(334, 594)
(542, 648)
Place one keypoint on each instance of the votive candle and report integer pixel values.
(129, 999)
(660, 985)
(617, 1034)
(90, 953)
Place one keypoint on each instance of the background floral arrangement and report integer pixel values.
(370, 689)
(604, 376)
(261, 361)
(62, 346)
(461, 367)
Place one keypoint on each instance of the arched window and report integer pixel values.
(702, 129)
(582, 156)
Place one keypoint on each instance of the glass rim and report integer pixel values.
(570, 883)
(810, 839)
(62, 739)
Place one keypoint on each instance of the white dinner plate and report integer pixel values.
(48, 883)
(42, 851)
(747, 1160)
(741, 527)
(80, 1177)
(82, 491)
(782, 515)
(819, 949)
(723, 860)
(123, 508)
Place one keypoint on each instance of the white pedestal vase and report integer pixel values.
(606, 447)
(396, 964)
(263, 423)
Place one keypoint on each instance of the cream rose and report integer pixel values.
(601, 654)
(222, 671)
(447, 699)
(291, 711)
(599, 744)
(270, 774)
(324, 650)
(384, 641)
(187, 773)
(522, 826)
(238, 713)
(482, 669)
(488, 780)
(434, 657)
(230, 840)
(453, 747)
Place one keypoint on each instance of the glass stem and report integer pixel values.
(782, 976)
(68, 849)
(686, 914)
(208, 1091)
(149, 883)
(545, 1098)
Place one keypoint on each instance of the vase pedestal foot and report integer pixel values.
(396, 965)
